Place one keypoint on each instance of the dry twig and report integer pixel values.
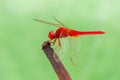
(55, 62)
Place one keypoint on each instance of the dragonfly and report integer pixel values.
(62, 32)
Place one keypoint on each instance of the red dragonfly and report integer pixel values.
(63, 32)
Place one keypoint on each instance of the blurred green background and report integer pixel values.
(21, 57)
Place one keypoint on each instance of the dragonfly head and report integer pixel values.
(51, 35)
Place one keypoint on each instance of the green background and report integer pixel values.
(21, 57)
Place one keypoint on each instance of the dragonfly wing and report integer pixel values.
(74, 43)
(57, 25)
(70, 49)
(63, 50)
(59, 21)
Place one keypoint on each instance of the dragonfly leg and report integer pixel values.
(59, 43)
(58, 47)
(53, 41)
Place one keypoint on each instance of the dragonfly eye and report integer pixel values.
(51, 35)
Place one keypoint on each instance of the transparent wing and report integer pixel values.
(56, 25)
(70, 49)
(58, 21)
(75, 44)
(63, 51)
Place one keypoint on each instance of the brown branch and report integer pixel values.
(55, 62)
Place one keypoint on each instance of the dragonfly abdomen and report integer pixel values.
(76, 33)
